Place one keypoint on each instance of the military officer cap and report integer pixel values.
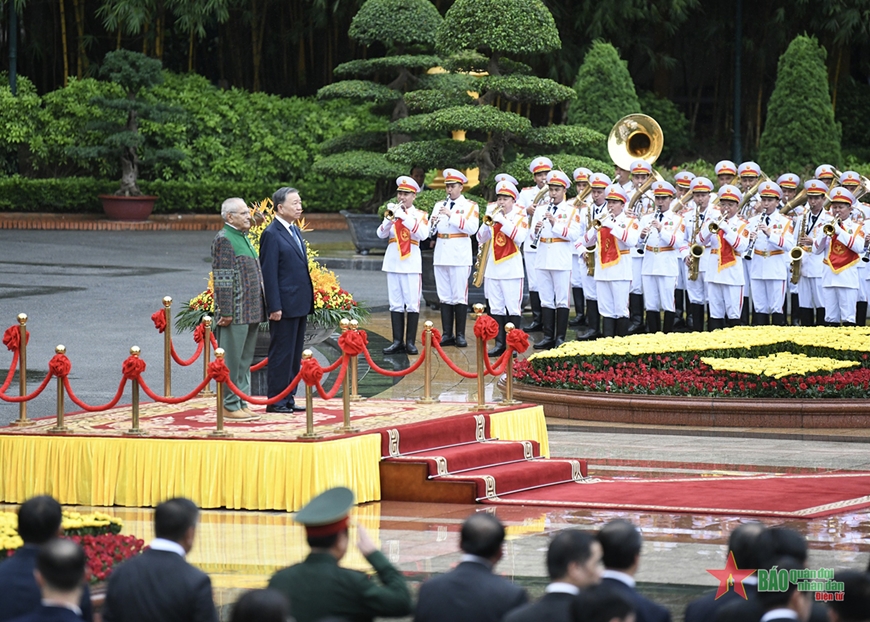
(850, 178)
(641, 167)
(684, 178)
(730, 193)
(541, 165)
(825, 172)
(599, 181)
(327, 513)
(407, 184)
(508, 189)
(789, 181)
(558, 178)
(770, 190)
(616, 193)
(506, 177)
(841, 195)
(582, 174)
(663, 189)
(701, 184)
(452, 176)
(749, 169)
(726, 167)
(816, 187)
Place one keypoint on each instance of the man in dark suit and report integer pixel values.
(39, 520)
(60, 573)
(573, 563)
(742, 544)
(471, 592)
(791, 605)
(289, 295)
(621, 543)
(601, 604)
(159, 584)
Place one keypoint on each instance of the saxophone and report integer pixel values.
(797, 253)
(696, 251)
(589, 256)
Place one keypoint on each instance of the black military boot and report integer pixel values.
(548, 316)
(498, 347)
(579, 302)
(697, 311)
(461, 313)
(744, 313)
(397, 319)
(808, 316)
(777, 319)
(635, 312)
(669, 324)
(535, 303)
(861, 314)
(411, 333)
(593, 322)
(622, 326)
(608, 326)
(820, 316)
(796, 316)
(653, 321)
(736, 321)
(716, 323)
(447, 338)
(679, 296)
(561, 325)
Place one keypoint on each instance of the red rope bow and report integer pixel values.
(12, 338)
(199, 333)
(159, 319)
(311, 372)
(133, 367)
(353, 342)
(59, 366)
(518, 340)
(218, 370)
(485, 328)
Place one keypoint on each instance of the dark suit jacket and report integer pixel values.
(704, 608)
(751, 611)
(50, 614)
(554, 607)
(646, 610)
(468, 593)
(158, 585)
(285, 273)
(19, 593)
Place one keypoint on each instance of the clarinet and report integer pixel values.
(536, 237)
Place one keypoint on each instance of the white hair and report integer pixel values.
(230, 205)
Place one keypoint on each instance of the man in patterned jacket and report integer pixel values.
(239, 302)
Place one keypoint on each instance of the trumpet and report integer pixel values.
(715, 226)
(391, 213)
(830, 229)
(596, 223)
(489, 219)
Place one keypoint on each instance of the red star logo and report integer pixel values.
(731, 575)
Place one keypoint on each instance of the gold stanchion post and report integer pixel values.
(134, 398)
(427, 366)
(354, 371)
(219, 399)
(60, 428)
(206, 356)
(346, 428)
(167, 347)
(481, 365)
(509, 374)
(309, 405)
(22, 371)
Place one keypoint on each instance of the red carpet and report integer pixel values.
(795, 496)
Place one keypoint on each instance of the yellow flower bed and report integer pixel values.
(72, 521)
(778, 365)
(852, 338)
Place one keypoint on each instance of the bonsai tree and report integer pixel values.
(406, 28)
(487, 92)
(135, 74)
(800, 130)
(605, 91)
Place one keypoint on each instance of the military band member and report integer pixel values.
(749, 173)
(726, 171)
(641, 171)
(452, 224)
(842, 254)
(789, 182)
(622, 178)
(403, 264)
(826, 174)
(595, 210)
(851, 181)
(581, 184)
(724, 274)
(662, 235)
(503, 276)
(556, 226)
(810, 294)
(612, 240)
(682, 181)
(696, 221)
(529, 200)
(769, 268)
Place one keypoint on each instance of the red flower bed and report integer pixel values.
(104, 552)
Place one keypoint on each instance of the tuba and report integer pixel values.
(635, 137)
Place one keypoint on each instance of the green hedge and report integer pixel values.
(79, 194)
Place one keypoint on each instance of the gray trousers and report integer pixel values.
(238, 341)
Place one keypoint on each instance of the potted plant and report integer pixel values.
(135, 74)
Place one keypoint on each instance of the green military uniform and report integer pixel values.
(320, 588)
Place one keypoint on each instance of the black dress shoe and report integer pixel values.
(461, 342)
(286, 410)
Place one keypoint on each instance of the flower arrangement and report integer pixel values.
(97, 533)
(791, 362)
(331, 302)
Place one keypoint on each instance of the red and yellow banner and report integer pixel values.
(609, 247)
(727, 256)
(503, 247)
(840, 257)
(403, 239)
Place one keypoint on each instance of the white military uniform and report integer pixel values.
(578, 263)
(725, 283)
(555, 250)
(404, 280)
(661, 259)
(599, 212)
(696, 289)
(527, 199)
(810, 292)
(860, 214)
(840, 285)
(644, 206)
(452, 257)
(503, 280)
(768, 269)
(613, 283)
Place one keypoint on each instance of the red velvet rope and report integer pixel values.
(29, 396)
(353, 342)
(499, 367)
(262, 401)
(159, 319)
(338, 381)
(12, 338)
(450, 364)
(12, 367)
(191, 360)
(94, 409)
(260, 365)
(199, 333)
(485, 328)
(214, 343)
(173, 400)
(394, 374)
(311, 372)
